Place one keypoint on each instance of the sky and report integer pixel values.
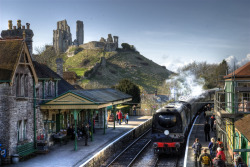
(169, 32)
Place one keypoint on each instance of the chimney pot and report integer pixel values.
(23, 27)
(18, 24)
(10, 24)
(14, 27)
(28, 25)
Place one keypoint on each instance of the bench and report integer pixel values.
(25, 149)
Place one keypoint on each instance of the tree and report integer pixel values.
(126, 46)
(221, 71)
(130, 88)
(46, 55)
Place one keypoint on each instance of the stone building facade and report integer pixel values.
(17, 82)
(24, 85)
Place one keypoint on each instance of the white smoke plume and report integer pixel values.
(185, 86)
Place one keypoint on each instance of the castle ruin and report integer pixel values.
(62, 39)
(110, 44)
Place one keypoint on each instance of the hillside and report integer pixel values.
(119, 65)
(140, 70)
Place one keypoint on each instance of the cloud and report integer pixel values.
(232, 60)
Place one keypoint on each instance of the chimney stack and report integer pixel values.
(18, 24)
(10, 24)
(59, 63)
(28, 25)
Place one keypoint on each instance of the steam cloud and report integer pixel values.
(185, 86)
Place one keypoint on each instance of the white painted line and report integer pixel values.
(82, 165)
(187, 143)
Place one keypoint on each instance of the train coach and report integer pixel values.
(171, 123)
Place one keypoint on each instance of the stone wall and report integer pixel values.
(4, 115)
(14, 109)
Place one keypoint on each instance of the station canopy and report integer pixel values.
(87, 99)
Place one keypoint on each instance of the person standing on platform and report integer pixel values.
(221, 153)
(120, 116)
(212, 119)
(207, 131)
(117, 120)
(220, 144)
(197, 150)
(205, 159)
(218, 162)
(86, 133)
(134, 110)
(127, 118)
(212, 147)
(240, 162)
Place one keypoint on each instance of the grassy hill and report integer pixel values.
(140, 70)
(119, 65)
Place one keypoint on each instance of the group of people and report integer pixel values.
(82, 131)
(120, 117)
(215, 158)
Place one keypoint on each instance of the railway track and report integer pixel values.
(167, 161)
(129, 154)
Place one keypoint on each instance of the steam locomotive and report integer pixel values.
(171, 124)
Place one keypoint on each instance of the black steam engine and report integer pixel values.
(171, 124)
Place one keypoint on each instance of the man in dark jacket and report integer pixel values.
(197, 150)
(218, 162)
(205, 159)
(212, 119)
(86, 133)
(207, 131)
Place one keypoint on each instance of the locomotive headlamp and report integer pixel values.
(166, 132)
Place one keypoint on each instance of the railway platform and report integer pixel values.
(198, 132)
(66, 156)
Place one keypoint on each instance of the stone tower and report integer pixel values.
(116, 41)
(79, 32)
(62, 37)
(20, 32)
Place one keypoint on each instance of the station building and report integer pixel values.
(36, 103)
(232, 109)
